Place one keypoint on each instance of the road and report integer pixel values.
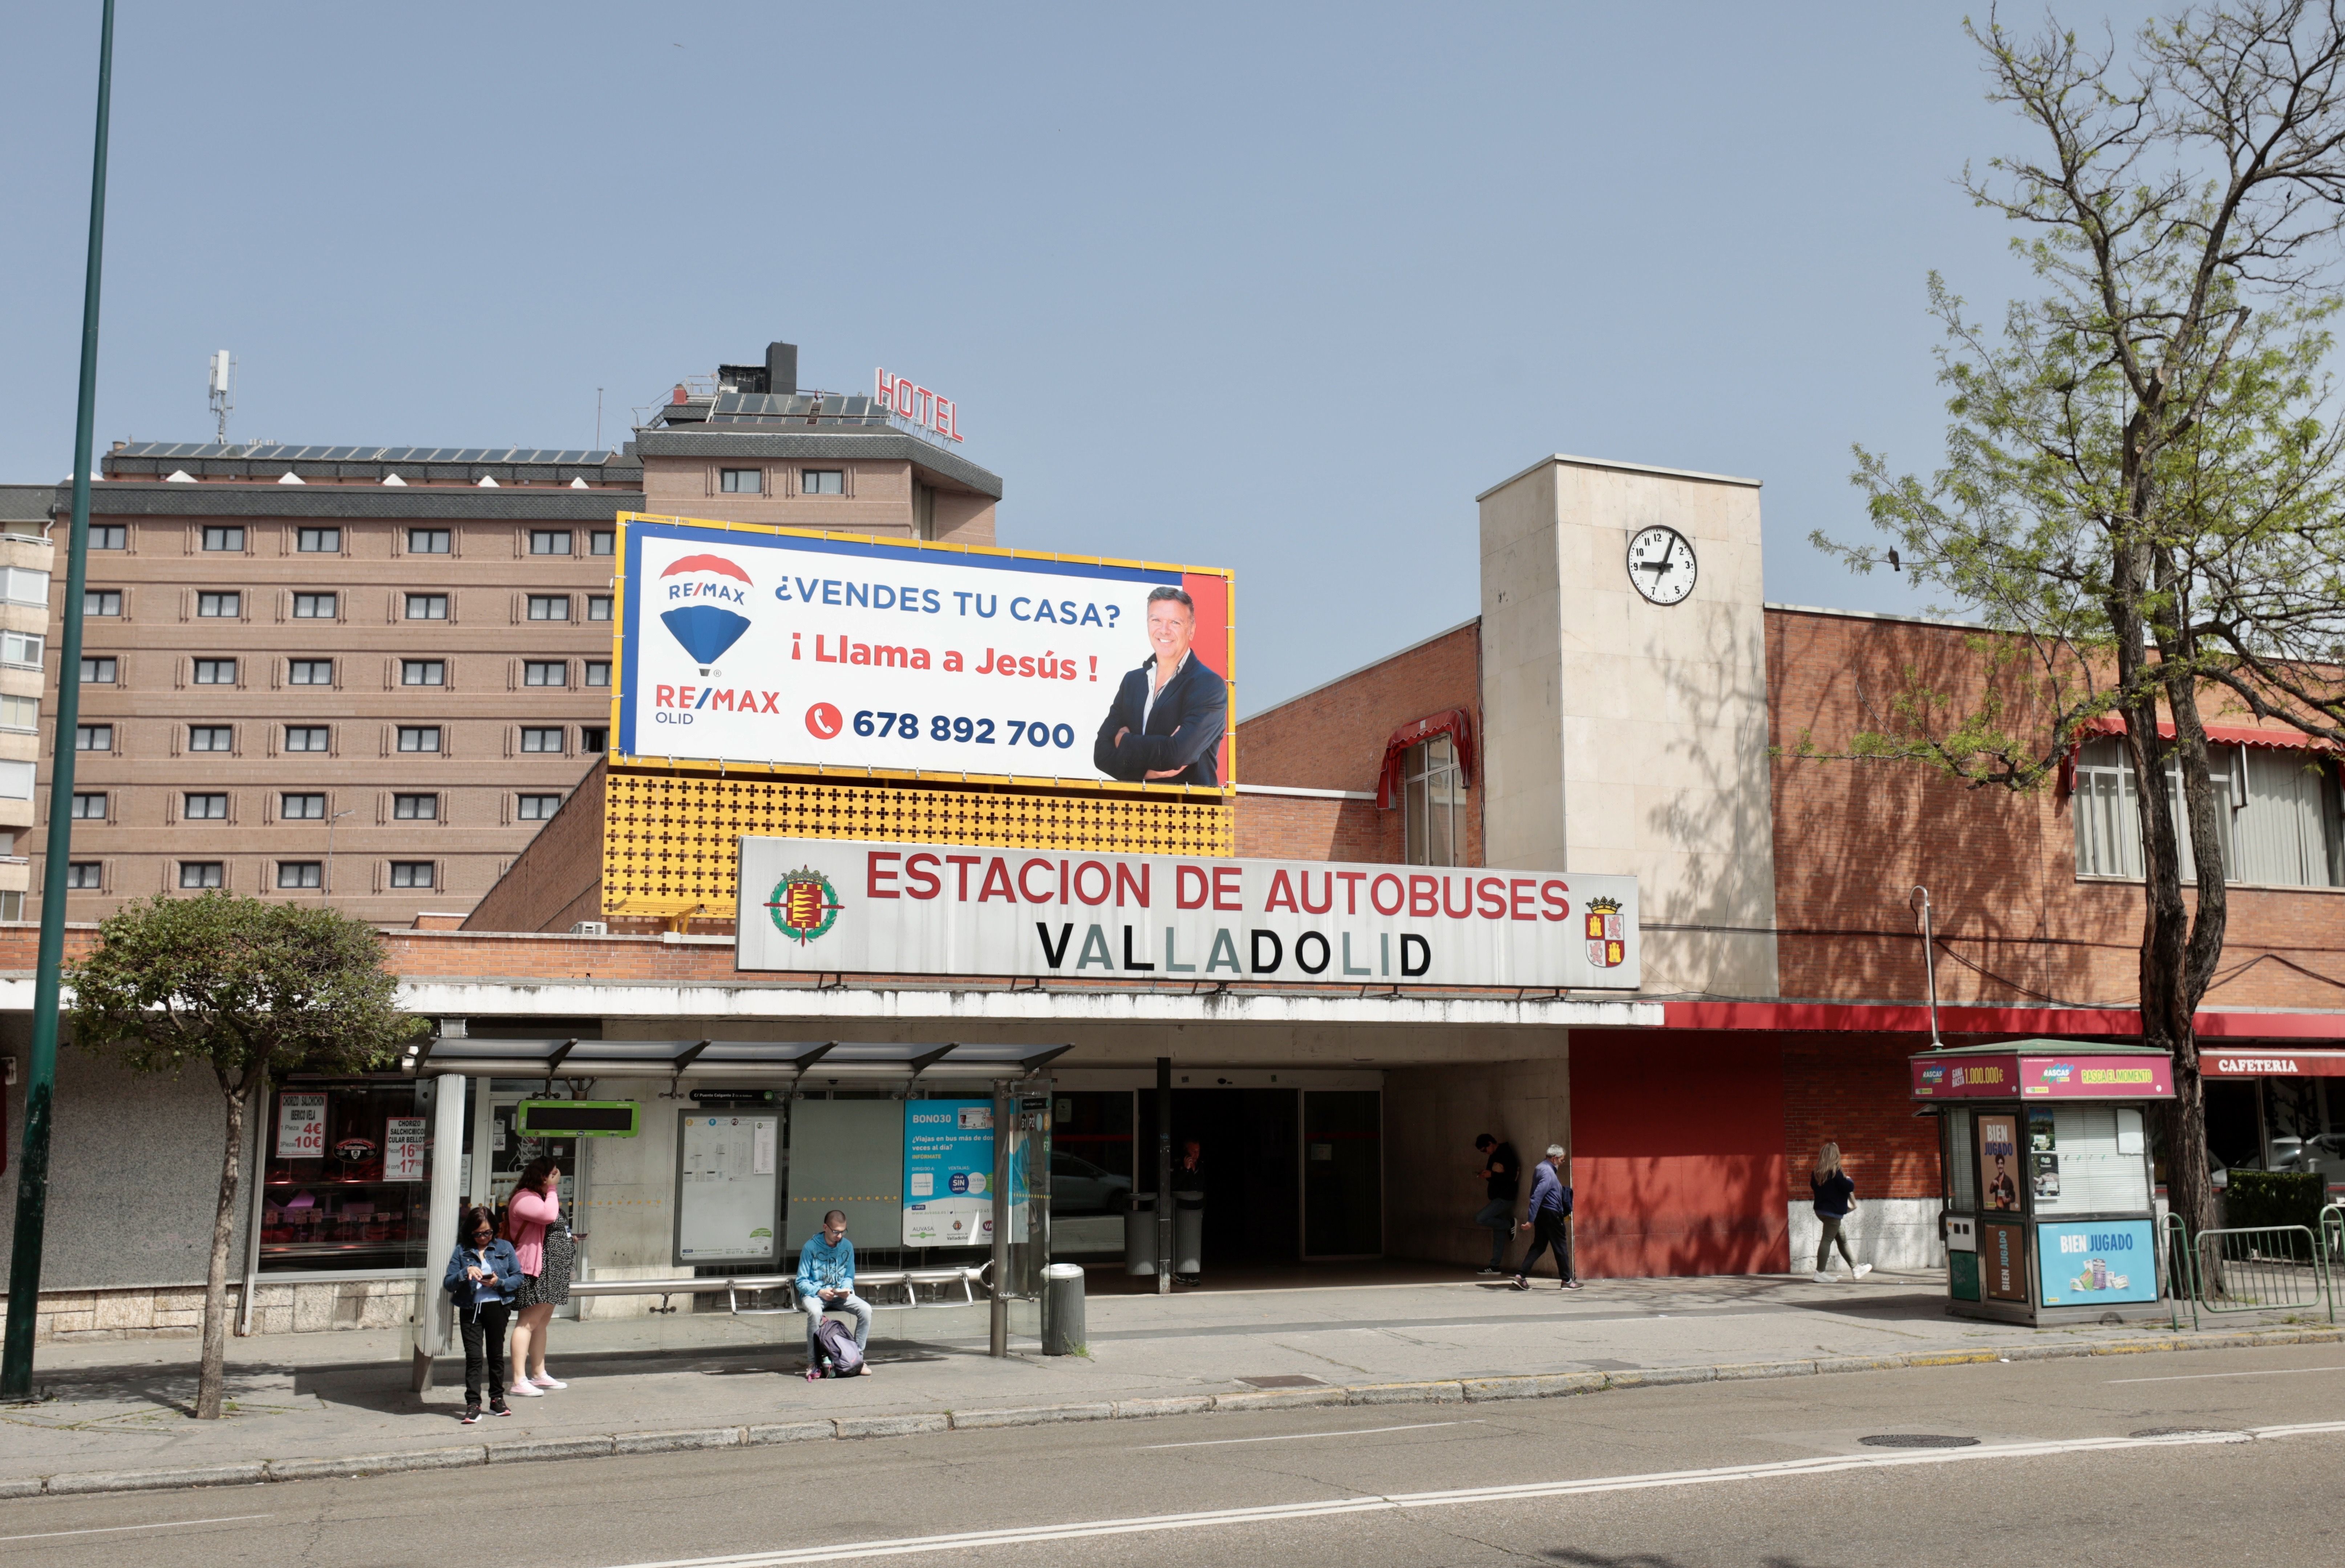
(2109, 1460)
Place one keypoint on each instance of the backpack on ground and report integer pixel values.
(838, 1347)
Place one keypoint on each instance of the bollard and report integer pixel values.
(1140, 1236)
(1063, 1307)
(1188, 1234)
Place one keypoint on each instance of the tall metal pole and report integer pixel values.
(40, 1086)
(1165, 1175)
(1005, 1124)
(1929, 961)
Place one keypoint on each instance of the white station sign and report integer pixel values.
(816, 906)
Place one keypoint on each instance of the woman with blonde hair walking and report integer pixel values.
(1835, 1200)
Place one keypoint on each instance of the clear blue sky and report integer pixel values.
(1275, 288)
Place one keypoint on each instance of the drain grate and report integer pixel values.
(1284, 1381)
(1917, 1439)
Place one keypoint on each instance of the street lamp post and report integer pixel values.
(40, 1079)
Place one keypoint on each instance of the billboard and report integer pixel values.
(833, 905)
(748, 644)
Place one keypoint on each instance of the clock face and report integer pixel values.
(1662, 564)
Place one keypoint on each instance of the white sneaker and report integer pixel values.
(548, 1380)
(526, 1390)
(1863, 1270)
(1821, 1277)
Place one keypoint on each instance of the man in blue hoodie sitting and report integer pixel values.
(826, 1284)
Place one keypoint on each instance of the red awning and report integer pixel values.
(2225, 734)
(1454, 722)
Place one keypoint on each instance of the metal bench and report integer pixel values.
(866, 1285)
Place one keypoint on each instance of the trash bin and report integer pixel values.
(1140, 1236)
(1188, 1234)
(1063, 1309)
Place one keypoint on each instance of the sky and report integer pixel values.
(1273, 288)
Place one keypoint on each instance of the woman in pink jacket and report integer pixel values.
(542, 1244)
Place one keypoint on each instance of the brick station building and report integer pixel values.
(1576, 724)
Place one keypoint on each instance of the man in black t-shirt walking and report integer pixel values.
(1502, 1171)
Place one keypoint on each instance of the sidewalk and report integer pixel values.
(119, 1406)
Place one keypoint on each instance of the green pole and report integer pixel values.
(40, 1087)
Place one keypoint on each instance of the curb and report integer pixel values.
(1450, 1391)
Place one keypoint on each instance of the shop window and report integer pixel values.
(549, 541)
(537, 807)
(211, 737)
(1433, 797)
(198, 874)
(418, 737)
(410, 874)
(99, 672)
(208, 807)
(219, 538)
(2278, 817)
(93, 737)
(101, 601)
(308, 738)
(299, 874)
(109, 536)
(303, 807)
(320, 540)
(314, 606)
(346, 1184)
(822, 481)
(309, 672)
(741, 482)
(219, 606)
(427, 607)
(427, 541)
(84, 875)
(1091, 1170)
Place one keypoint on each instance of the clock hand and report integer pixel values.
(1652, 566)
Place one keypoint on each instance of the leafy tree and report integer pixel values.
(2143, 494)
(250, 990)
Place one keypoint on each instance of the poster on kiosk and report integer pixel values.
(741, 643)
(948, 1174)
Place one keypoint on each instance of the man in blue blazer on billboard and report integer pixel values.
(1169, 715)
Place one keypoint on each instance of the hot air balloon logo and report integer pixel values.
(706, 594)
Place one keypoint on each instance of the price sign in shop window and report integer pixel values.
(301, 1126)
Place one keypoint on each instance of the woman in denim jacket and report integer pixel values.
(482, 1276)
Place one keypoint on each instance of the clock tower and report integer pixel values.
(1624, 693)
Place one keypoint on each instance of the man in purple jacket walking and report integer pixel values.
(1550, 1220)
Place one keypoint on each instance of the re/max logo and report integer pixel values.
(724, 699)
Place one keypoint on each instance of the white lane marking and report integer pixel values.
(2200, 1377)
(115, 1529)
(1377, 1502)
(1305, 1436)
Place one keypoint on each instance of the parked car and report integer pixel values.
(1078, 1186)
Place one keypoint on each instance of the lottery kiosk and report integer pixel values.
(2045, 1146)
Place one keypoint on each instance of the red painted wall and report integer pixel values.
(1677, 1154)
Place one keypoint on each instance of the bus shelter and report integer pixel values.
(2044, 1150)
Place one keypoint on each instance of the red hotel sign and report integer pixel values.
(918, 404)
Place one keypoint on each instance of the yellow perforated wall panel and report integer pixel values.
(669, 839)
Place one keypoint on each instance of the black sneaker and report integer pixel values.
(500, 1408)
(1521, 1283)
(471, 1415)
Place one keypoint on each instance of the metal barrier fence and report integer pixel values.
(2174, 1268)
(2260, 1269)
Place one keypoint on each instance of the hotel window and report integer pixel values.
(20, 648)
(549, 541)
(204, 807)
(211, 737)
(299, 874)
(304, 807)
(89, 807)
(97, 672)
(415, 808)
(593, 737)
(1433, 798)
(741, 482)
(541, 739)
(314, 606)
(109, 536)
(602, 541)
(418, 737)
(537, 807)
(309, 672)
(320, 540)
(410, 874)
(423, 672)
(201, 873)
(549, 607)
(84, 875)
(20, 713)
(215, 672)
(101, 601)
(308, 738)
(223, 539)
(598, 672)
(822, 481)
(93, 737)
(2278, 817)
(427, 607)
(227, 605)
(23, 585)
(427, 541)
(545, 672)
(598, 607)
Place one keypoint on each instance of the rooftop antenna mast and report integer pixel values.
(223, 392)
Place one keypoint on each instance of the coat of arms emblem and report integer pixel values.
(1608, 934)
(804, 904)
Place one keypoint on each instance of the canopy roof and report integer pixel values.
(789, 1060)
